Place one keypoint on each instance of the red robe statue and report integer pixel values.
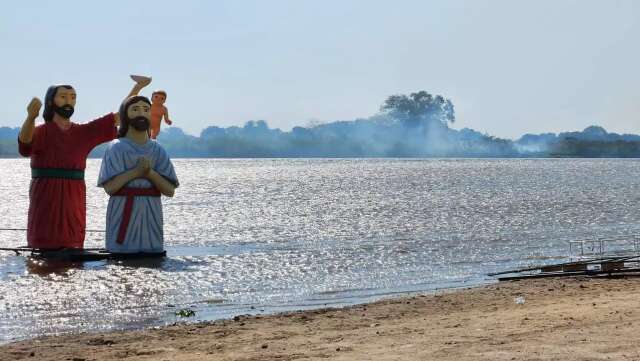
(57, 196)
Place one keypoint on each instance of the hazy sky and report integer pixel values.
(510, 67)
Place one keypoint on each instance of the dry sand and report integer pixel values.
(561, 319)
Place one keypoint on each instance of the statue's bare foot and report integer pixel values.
(141, 80)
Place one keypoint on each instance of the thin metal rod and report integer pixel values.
(40, 250)
(17, 249)
(24, 229)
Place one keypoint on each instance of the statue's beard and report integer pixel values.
(65, 111)
(140, 124)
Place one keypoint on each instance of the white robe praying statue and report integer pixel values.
(144, 231)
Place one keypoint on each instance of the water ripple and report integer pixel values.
(246, 236)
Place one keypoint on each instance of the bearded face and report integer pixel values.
(61, 100)
(64, 102)
(139, 114)
(135, 112)
(65, 111)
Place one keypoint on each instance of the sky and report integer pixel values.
(510, 67)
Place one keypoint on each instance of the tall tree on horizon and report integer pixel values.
(419, 108)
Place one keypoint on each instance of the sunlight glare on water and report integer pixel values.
(274, 234)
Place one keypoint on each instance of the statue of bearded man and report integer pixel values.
(58, 150)
(135, 172)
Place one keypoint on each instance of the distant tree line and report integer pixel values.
(413, 125)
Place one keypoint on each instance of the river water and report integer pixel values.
(268, 235)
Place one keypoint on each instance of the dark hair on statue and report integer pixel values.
(124, 119)
(47, 113)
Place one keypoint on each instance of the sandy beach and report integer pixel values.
(560, 319)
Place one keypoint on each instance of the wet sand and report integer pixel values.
(560, 319)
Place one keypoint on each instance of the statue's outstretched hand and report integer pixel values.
(33, 109)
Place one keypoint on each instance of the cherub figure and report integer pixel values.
(158, 109)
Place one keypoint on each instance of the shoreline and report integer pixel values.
(249, 310)
(561, 319)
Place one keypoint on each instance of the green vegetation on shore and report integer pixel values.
(414, 125)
